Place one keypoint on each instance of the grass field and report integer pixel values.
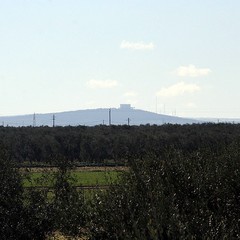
(79, 177)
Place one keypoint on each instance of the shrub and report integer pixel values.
(11, 200)
(174, 196)
(23, 215)
(68, 202)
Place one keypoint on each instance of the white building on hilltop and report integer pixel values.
(125, 106)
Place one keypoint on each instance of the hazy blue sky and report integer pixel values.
(175, 56)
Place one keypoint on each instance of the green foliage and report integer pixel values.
(183, 183)
(23, 215)
(175, 196)
(115, 144)
(11, 201)
(30, 214)
(38, 215)
(68, 203)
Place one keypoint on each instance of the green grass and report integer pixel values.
(85, 178)
(94, 178)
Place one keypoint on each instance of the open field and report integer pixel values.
(80, 177)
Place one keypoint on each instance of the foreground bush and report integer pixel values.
(175, 196)
(11, 200)
(68, 203)
(22, 215)
(33, 214)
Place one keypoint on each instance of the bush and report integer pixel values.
(23, 215)
(11, 199)
(175, 196)
(68, 202)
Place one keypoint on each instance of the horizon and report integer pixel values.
(119, 108)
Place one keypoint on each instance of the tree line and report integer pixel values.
(111, 144)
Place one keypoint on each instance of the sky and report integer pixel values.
(176, 57)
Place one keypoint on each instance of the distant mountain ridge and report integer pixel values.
(91, 117)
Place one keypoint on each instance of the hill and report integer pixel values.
(92, 117)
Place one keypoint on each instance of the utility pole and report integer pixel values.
(53, 119)
(34, 120)
(110, 117)
(128, 121)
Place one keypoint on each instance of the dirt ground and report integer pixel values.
(59, 236)
(77, 169)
